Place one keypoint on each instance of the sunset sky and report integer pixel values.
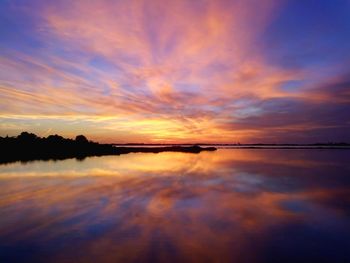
(249, 71)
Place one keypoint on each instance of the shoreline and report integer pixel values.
(28, 147)
(101, 150)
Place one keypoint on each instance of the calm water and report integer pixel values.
(224, 206)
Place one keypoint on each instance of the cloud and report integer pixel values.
(173, 70)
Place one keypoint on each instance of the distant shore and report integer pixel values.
(30, 147)
(252, 146)
(237, 144)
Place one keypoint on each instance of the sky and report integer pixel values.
(184, 71)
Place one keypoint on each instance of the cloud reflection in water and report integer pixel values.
(229, 205)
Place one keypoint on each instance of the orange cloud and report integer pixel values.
(164, 71)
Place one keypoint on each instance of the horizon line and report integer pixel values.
(234, 144)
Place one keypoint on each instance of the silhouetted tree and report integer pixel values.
(55, 138)
(81, 139)
(27, 137)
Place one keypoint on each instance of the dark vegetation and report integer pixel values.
(28, 147)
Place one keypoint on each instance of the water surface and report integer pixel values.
(232, 205)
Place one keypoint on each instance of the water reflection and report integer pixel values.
(224, 206)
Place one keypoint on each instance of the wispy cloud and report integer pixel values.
(175, 71)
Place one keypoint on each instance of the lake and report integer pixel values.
(231, 205)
